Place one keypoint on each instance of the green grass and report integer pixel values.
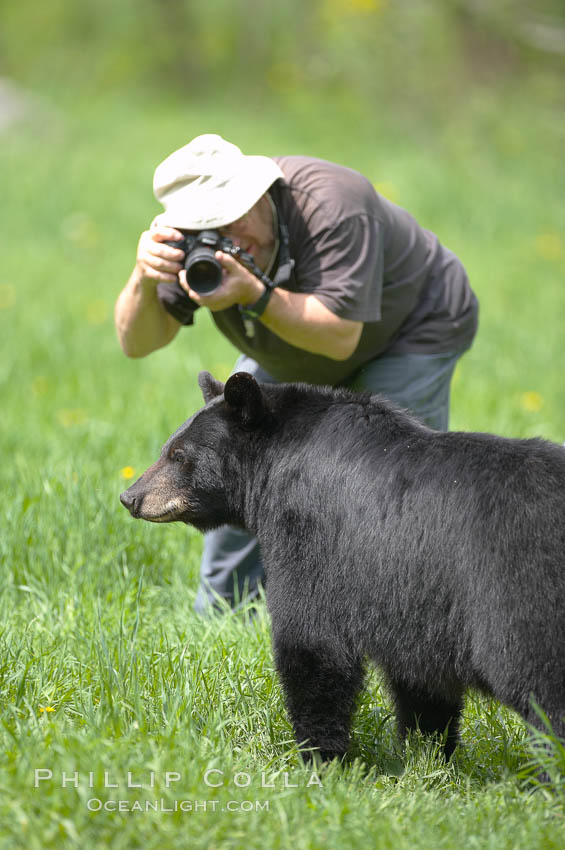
(96, 610)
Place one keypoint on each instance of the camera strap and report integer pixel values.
(285, 267)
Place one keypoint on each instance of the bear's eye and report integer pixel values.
(177, 456)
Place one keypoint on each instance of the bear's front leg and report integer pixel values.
(320, 684)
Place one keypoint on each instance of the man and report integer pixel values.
(364, 296)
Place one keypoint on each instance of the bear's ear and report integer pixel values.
(243, 394)
(210, 386)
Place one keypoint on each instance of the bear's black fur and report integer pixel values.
(440, 556)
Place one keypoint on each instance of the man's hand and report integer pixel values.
(156, 261)
(238, 286)
(142, 323)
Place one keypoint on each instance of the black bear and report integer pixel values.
(439, 556)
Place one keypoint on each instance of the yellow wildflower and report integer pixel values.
(340, 8)
(388, 190)
(127, 472)
(549, 245)
(68, 417)
(531, 401)
(7, 296)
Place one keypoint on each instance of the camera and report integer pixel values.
(203, 271)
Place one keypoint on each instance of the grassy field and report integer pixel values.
(108, 680)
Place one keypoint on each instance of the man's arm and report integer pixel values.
(142, 323)
(302, 320)
(298, 318)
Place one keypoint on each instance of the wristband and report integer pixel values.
(253, 311)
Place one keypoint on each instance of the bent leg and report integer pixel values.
(231, 567)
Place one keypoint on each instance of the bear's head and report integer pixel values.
(197, 477)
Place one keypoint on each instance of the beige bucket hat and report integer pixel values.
(210, 183)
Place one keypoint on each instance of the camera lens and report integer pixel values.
(203, 271)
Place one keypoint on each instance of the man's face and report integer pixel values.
(254, 232)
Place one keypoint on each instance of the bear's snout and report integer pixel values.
(131, 502)
(154, 499)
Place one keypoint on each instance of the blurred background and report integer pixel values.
(373, 52)
(455, 109)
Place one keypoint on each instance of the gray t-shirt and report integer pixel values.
(366, 259)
